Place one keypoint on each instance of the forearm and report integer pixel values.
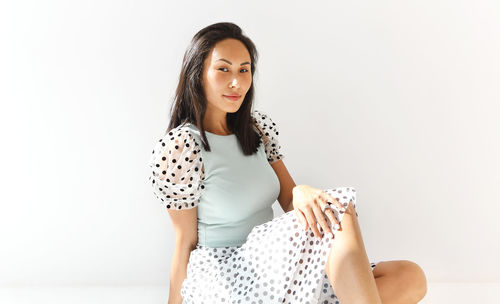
(288, 207)
(178, 272)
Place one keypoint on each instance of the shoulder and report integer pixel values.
(180, 135)
(177, 169)
(264, 122)
(175, 142)
(269, 130)
(261, 116)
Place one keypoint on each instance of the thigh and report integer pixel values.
(347, 245)
(394, 267)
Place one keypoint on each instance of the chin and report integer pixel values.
(231, 108)
(232, 111)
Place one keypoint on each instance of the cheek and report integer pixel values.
(247, 80)
(218, 79)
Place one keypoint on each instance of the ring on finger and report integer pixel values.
(329, 206)
(325, 206)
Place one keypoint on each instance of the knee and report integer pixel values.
(349, 234)
(343, 194)
(350, 208)
(350, 211)
(414, 276)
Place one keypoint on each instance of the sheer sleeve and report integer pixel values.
(177, 170)
(270, 132)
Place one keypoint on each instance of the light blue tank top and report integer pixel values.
(239, 191)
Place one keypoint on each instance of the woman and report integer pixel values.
(218, 169)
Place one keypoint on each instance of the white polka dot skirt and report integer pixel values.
(280, 262)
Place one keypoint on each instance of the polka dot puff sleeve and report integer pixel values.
(177, 170)
(270, 131)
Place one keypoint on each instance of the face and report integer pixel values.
(226, 71)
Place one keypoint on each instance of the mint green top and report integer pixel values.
(239, 191)
(232, 191)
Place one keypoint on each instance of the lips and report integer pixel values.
(232, 97)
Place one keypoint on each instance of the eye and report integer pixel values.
(226, 69)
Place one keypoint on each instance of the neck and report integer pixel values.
(215, 122)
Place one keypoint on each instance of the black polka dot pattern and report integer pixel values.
(269, 134)
(177, 165)
(280, 262)
(177, 170)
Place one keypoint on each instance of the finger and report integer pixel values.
(333, 219)
(302, 218)
(320, 217)
(337, 203)
(330, 212)
(328, 198)
(312, 221)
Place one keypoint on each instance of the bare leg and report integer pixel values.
(348, 267)
(400, 282)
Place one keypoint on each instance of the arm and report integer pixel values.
(178, 272)
(186, 237)
(269, 132)
(287, 184)
(178, 182)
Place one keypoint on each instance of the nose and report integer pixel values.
(234, 83)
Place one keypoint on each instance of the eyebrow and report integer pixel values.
(246, 62)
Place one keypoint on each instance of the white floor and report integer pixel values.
(446, 293)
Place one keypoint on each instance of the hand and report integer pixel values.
(307, 202)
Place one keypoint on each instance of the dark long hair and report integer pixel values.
(190, 102)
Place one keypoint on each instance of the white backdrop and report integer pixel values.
(399, 99)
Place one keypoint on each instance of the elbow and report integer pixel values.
(186, 242)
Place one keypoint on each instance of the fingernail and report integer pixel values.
(337, 227)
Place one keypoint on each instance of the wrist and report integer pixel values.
(298, 187)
